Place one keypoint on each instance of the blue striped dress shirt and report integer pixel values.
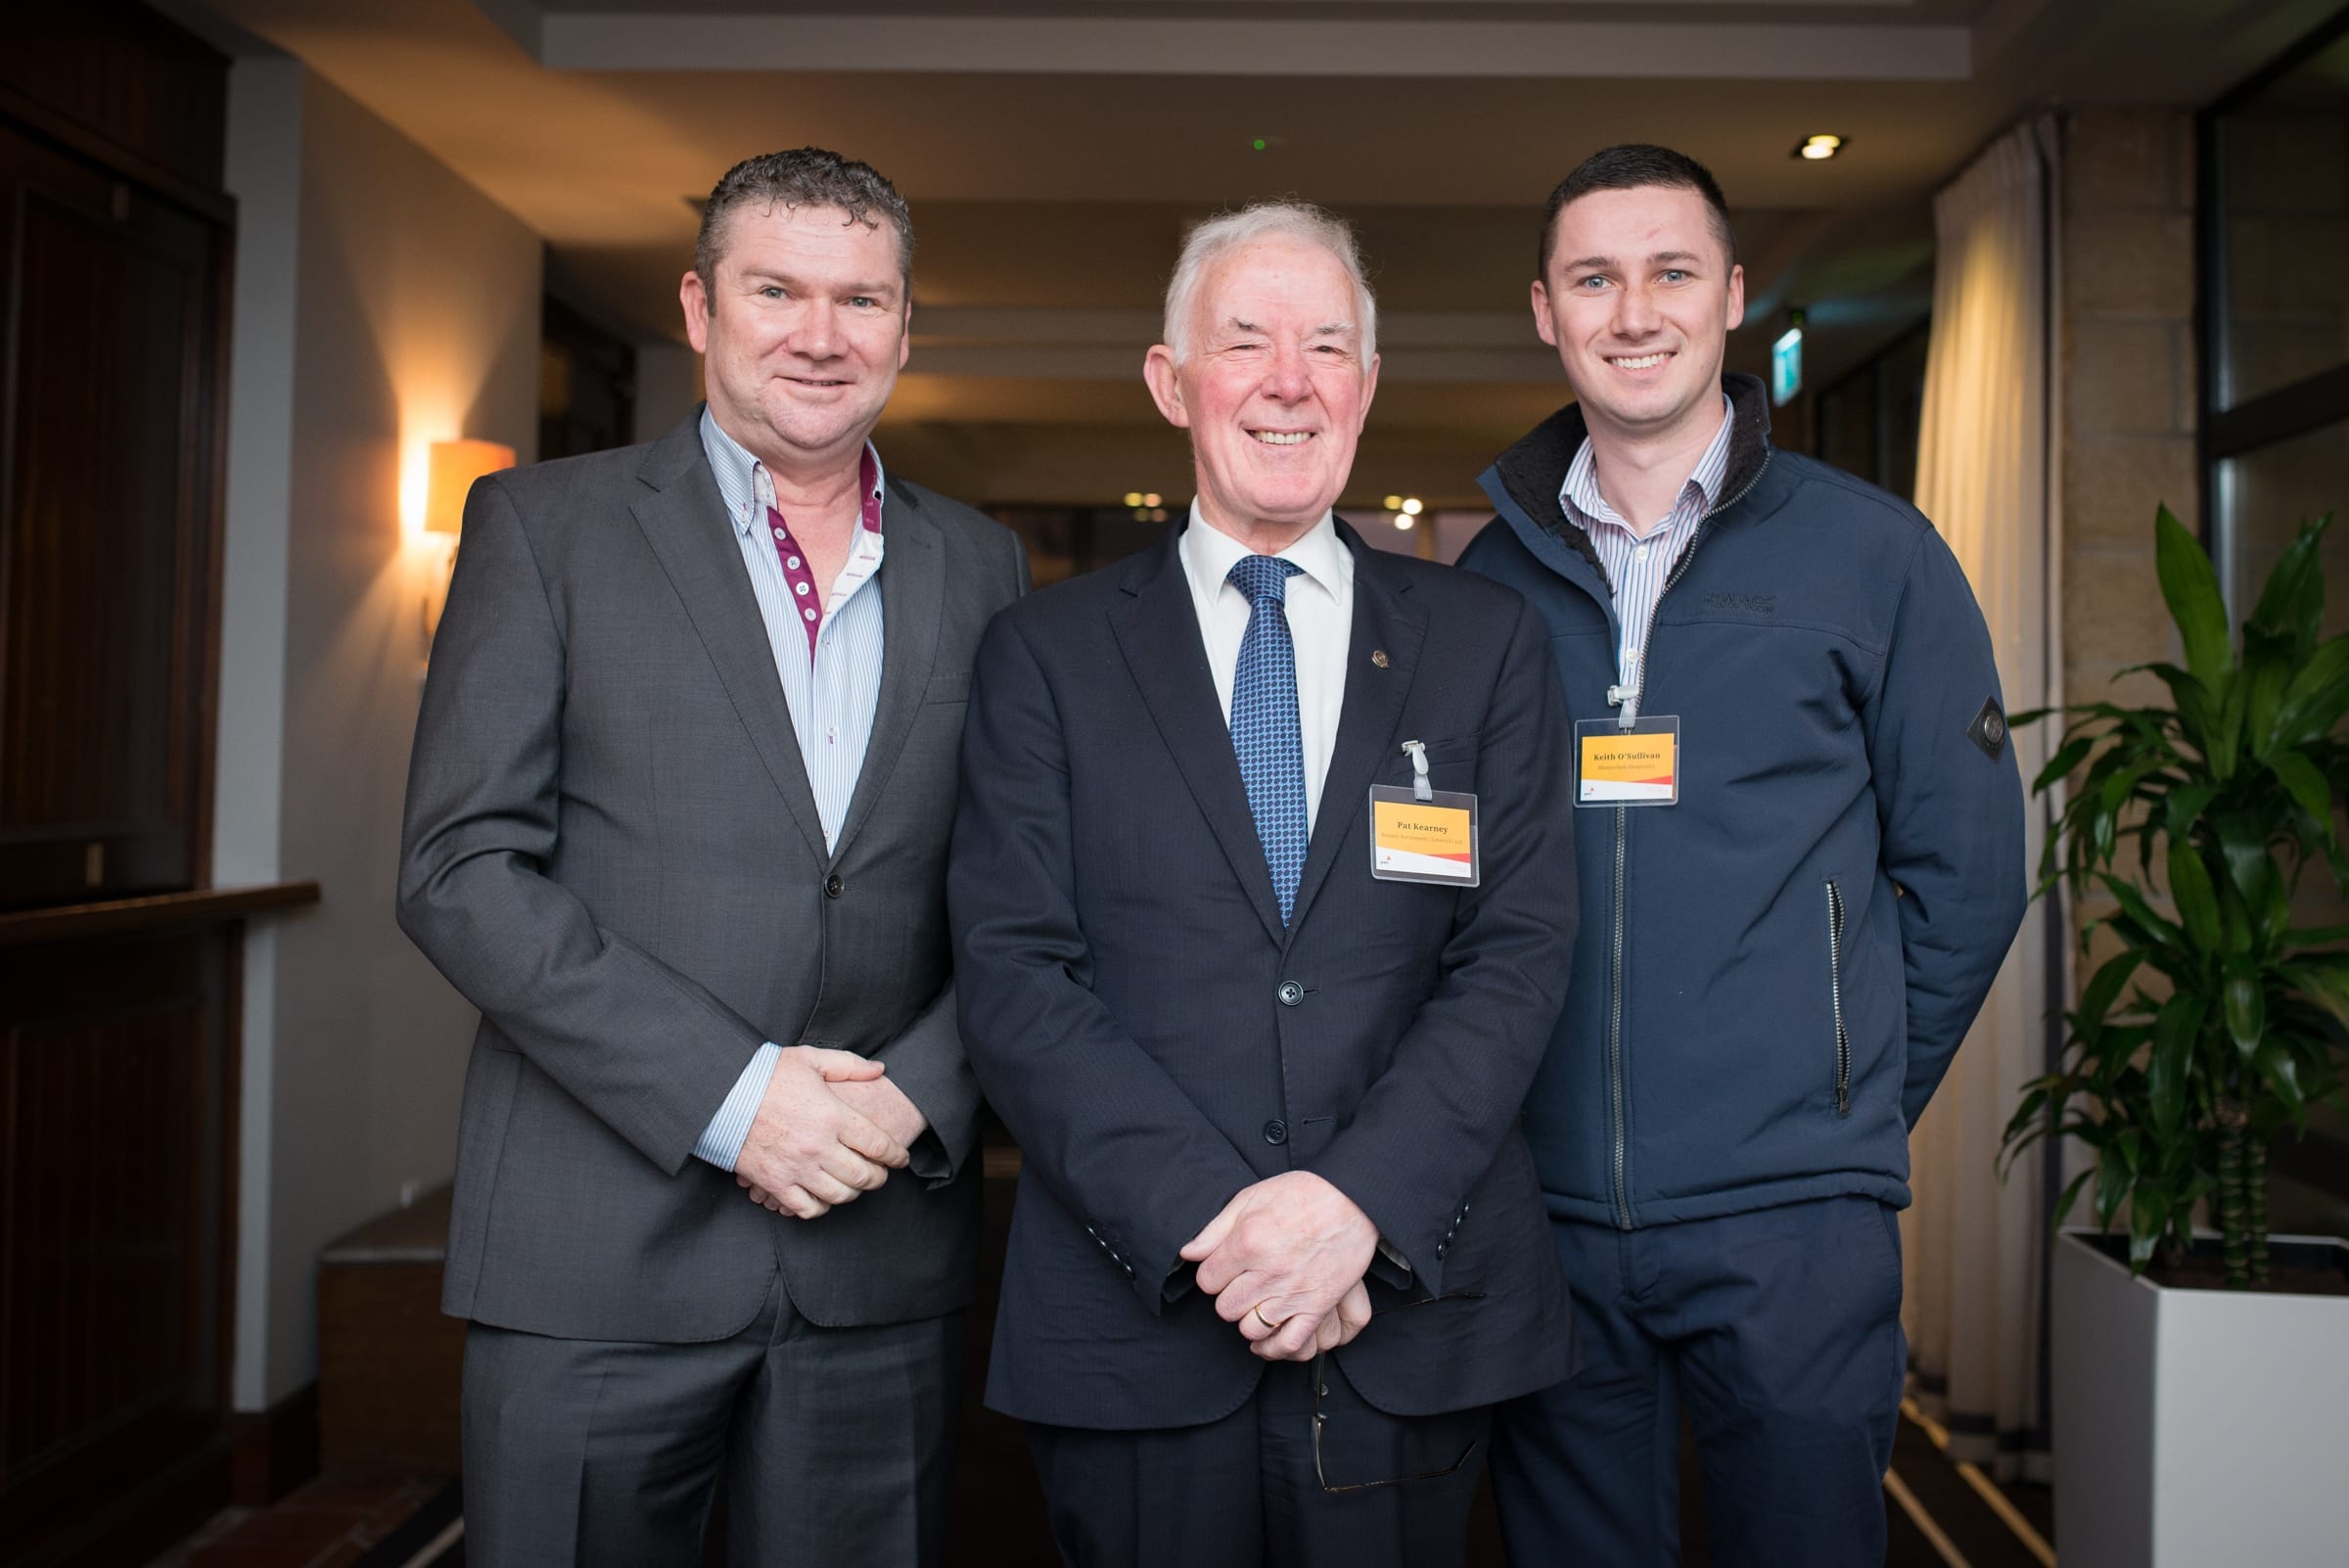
(832, 696)
(1638, 564)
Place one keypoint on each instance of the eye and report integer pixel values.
(864, 302)
(1590, 283)
(1675, 275)
(771, 292)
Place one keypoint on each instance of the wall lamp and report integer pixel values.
(452, 469)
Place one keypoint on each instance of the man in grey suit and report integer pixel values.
(677, 824)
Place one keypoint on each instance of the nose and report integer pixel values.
(1286, 380)
(816, 330)
(1636, 314)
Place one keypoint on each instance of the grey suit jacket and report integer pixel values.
(612, 850)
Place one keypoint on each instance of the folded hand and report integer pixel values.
(808, 1149)
(1285, 1260)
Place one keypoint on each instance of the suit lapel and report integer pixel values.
(913, 586)
(684, 520)
(1384, 619)
(1158, 631)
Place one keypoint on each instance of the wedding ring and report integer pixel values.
(1259, 1310)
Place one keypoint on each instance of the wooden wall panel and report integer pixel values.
(108, 503)
(115, 1115)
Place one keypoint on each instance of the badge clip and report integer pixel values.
(1421, 790)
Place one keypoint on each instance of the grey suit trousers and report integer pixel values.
(608, 1452)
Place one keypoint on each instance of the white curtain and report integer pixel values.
(1975, 1246)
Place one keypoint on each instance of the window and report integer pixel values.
(2274, 214)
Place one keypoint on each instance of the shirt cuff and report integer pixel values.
(723, 1139)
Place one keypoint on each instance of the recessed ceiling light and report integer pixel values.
(1823, 145)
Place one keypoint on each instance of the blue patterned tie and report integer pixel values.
(1264, 722)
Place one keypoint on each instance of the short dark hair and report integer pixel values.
(1629, 168)
(806, 176)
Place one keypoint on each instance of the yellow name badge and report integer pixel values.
(1434, 840)
(1636, 766)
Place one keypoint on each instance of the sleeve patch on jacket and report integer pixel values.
(1989, 730)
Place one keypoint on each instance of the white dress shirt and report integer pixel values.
(1320, 612)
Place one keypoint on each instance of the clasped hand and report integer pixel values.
(1296, 1248)
(830, 1129)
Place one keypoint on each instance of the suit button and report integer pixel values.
(1276, 1132)
(1440, 1249)
(834, 887)
(1290, 993)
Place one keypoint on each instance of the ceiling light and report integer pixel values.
(1152, 499)
(1393, 503)
(1823, 145)
(1410, 504)
(1133, 497)
(1403, 520)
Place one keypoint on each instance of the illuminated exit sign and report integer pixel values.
(1786, 366)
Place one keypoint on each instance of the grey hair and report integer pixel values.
(806, 176)
(1219, 237)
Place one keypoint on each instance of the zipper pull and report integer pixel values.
(1421, 790)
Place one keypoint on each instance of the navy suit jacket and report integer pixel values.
(1157, 1040)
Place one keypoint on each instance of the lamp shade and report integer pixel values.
(455, 465)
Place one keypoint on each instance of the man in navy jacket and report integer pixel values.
(1280, 1245)
(1801, 828)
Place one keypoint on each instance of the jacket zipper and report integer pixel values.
(1623, 828)
(1843, 1039)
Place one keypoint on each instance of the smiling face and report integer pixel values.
(804, 326)
(1274, 390)
(1638, 301)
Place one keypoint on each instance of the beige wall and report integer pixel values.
(2128, 401)
(413, 305)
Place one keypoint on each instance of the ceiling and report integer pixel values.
(1053, 152)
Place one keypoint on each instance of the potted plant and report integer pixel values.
(2197, 1382)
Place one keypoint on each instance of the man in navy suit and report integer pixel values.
(1263, 909)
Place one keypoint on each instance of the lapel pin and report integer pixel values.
(1378, 657)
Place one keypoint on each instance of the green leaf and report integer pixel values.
(2197, 904)
(2296, 773)
(2186, 807)
(2293, 605)
(2174, 1033)
(2133, 904)
(2071, 1192)
(2280, 1073)
(2317, 695)
(2192, 590)
(2063, 761)
(2329, 990)
(2148, 1217)
(2268, 664)
(2315, 936)
(2097, 998)
(2246, 1012)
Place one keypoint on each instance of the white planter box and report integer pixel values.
(2197, 1428)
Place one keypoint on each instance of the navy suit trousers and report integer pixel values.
(1778, 1330)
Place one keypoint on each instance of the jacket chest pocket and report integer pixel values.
(1843, 1036)
(1451, 762)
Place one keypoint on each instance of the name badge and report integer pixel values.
(1431, 840)
(1637, 765)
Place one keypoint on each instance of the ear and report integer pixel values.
(1542, 322)
(1736, 297)
(695, 297)
(906, 334)
(1369, 391)
(1166, 386)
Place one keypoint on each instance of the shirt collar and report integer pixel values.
(1208, 554)
(1582, 502)
(734, 468)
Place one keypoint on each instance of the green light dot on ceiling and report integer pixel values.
(1258, 143)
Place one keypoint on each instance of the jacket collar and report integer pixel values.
(1526, 478)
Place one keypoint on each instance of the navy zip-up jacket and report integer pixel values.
(1773, 973)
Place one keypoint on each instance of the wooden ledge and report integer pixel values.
(158, 912)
